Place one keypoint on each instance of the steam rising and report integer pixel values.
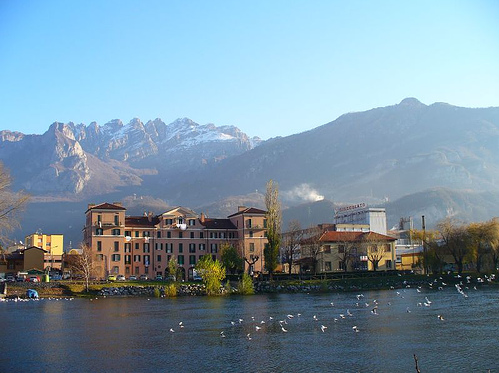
(303, 192)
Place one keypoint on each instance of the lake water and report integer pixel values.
(133, 334)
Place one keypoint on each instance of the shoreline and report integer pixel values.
(162, 289)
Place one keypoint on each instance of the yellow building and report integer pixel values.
(53, 244)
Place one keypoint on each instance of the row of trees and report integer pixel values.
(475, 244)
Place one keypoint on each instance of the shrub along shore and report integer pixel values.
(171, 289)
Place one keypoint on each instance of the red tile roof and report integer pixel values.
(335, 236)
(249, 210)
(106, 206)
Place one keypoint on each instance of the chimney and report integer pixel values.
(90, 205)
(201, 218)
(149, 216)
(118, 204)
(241, 208)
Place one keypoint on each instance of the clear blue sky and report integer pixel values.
(270, 67)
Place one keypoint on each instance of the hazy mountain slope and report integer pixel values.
(384, 152)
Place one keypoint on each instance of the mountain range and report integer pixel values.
(439, 160)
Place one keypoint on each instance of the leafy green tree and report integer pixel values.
(484, 237)
(245, 285)
(173, 268)
(230, 258)
(433, 256)
(274, 217)
(212, 272)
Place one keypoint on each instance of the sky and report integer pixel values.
(271, 68)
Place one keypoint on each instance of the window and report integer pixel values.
(158, 258)
(116, 270)
(180, 235)
(265, 223)
(116, 232)
(146, 247)
(202, 246)
(180, 260)
(327, 266)
(128, 259)
(147, 260)
(180, 220)
(192, 247)
(99, 245)
(128, 233)
(341, 249)
(136, 258)
(251, 247)
(127, 270)
(99, 232)
(192, 222)
(251, 233)
(248, 223)
(192, 259)
(136, 270)
(137, 233)
(201, 234)
(180, 248)
(146, 270)
(115, 257)
(158, 234)
(388, 248)
(116, 220)
(146, 234)
(169, 221)
(136, 245)
(99, 218)
(168, 234)
(169, 248)
(116, 246)
(327, 249)
(192, 234)
(388, 263)
(214, 248)
(341, 265)
(128, 247)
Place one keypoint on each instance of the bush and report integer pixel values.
(245, 285)
(157, 293)
(171, 290)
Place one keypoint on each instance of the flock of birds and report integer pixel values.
(336, 315)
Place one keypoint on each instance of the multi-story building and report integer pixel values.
(52, 244)
(360, 215)
(143, 245)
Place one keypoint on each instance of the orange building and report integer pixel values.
(143, 245)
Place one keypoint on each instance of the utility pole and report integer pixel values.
(423, 226)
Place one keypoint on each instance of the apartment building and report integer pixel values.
(53, 246)
(143, 245)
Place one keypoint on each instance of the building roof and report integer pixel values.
(105, 206)
(218, 224)
(335, 236)
(249, 210)
(141, 221)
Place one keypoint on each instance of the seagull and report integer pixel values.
(284, 330)
(240, 321)
(248, 336)
(290, 316)
(171, 330)
(257, 328)
(374, 311)
(332, 304)
(349, 313)
(408, 310)
(355, 329)
(440, 317)
(323, 328)
(342, 316)
(271, 318)
(315, 318)
(232, 323)
(427, 300)
(222, 334)
(262, 322)
(180, 324)
(419, 291)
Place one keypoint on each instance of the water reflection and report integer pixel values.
(134, 334)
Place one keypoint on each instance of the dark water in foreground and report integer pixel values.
(133, 334)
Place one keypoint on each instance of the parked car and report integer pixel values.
(143, 277)
(120, 278)
(56, 277)
(159, 278)
(132, 278)
(10, 278)
(34, 279)
(111, 278)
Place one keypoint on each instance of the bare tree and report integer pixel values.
(456, 241)
(374, 249)
(347, 250)
(83, 264)
(311, 246)
(484, 237)
(274, 217)
(11, 205)
(433, 257)
(291, 243)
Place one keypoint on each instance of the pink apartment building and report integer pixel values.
(137, 245)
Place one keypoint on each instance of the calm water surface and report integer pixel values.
(133, 334)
